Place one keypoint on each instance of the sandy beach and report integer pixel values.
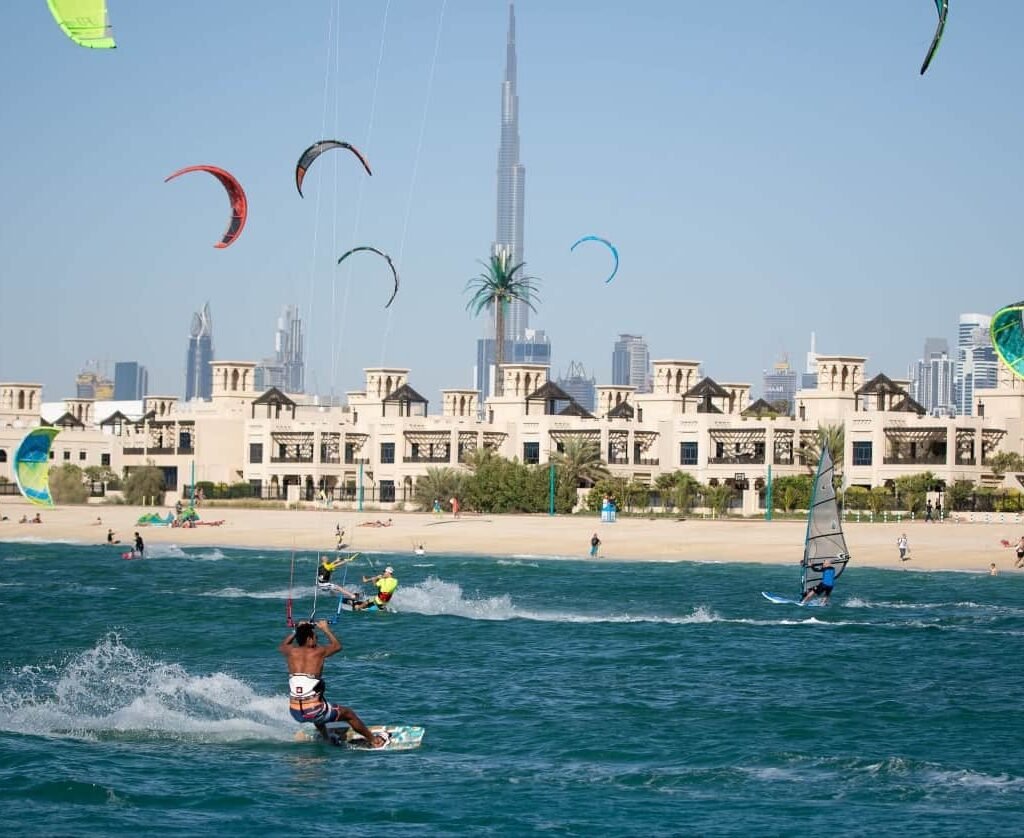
(946, 546)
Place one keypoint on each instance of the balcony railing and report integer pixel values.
(299, 459)
(966, 461)
(646, 461)
(422, 458)
(919, 460)
(133, 450)
(738, 459)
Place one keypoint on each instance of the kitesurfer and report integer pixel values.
(306, 688)
(323, 577)
(825, 585)
(386, 584)
(140, 547)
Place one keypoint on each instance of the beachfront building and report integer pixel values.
(372, 449)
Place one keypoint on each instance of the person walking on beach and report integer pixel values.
(904, 547)
(306, 687)
(386, 584)
(454, 502)
(595, 542)
(437, 508)
(928, 512)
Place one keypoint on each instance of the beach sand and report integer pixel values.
(946, 546)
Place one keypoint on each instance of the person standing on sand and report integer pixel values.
(904, 547)
(455, 506)
(595, 542)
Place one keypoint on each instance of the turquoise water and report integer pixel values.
(559, 697)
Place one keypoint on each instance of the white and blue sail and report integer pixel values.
(824, 539)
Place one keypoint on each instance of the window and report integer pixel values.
(387, 455)
(531, 453)
(350, 452)
(184, 439)
(81, 455)
(862, 453)
(3, 456)
(105, 460)
(387, 487)
(687, 453)
(255, 452)
(67, 455)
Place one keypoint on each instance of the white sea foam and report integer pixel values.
(111, 690)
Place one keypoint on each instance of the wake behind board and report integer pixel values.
(782, 600)
(401, 737)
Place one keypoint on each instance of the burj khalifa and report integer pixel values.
(511, 181)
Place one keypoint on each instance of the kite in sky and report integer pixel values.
(1007, 332)
(239, 204)
(84, 21)
(32, 465)
(394, 272)
(314, 151)
(942, 7)
(606, 243)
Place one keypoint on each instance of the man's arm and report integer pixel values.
(284, 644)
(371, 578)
(335, 646)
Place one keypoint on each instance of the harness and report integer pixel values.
(305, 693)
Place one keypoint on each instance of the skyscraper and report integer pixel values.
(288, 349)
(533, 348)
(198, 373)
(976, 362)
(631, 363)
(809, 378)
(131, 381)
(511, 182)
(932, 377)
(579, 385)
(780, 386)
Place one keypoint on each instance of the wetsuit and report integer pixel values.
(827, 583)
(139, 546)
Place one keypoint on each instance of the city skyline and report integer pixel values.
(779, 194)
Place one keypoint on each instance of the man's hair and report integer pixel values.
(304, 631)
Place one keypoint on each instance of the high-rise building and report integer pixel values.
(580, 386)
(288, 349)
(631, 363)
(809, 377)
(931, 378)
(131, 381)
(780, 386)
(198, 373)
(533, 348)
(92, 384)
(977, 364)
(511, 182)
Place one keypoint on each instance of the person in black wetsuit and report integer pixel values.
(140, 547)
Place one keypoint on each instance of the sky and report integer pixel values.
(765, 170)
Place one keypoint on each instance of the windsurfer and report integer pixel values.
(825, 585)
(306, 688)
(386, 584)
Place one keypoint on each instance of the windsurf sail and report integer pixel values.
(824, 539)
(32, 465)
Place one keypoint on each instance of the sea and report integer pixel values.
(561, 696)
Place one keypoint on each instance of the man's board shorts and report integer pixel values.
(822, 590)
(317, 714)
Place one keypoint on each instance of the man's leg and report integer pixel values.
(347, 714)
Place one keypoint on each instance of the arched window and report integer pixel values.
(234, 380)
(21, 400)
(225, 387)
(3, 456)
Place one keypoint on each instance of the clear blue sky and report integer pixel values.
(748, 159)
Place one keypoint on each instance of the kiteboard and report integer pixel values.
(782, 600)
(400, 737)
(131, 554)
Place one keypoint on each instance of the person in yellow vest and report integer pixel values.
(386, 584)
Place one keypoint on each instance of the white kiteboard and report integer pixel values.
(400, 737)
(782, 600)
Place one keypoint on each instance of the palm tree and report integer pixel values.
(498, 286)
(832, 437)
(579, 462)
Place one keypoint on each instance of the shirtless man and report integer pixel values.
(306, 687)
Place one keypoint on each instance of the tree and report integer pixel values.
(579, 463)
(498, 286)
(792, 492)
(66, 484)
(145, 483)
(438, 484)
(832, 437)
(1005, 461)
(718, 497)
(959, 495)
